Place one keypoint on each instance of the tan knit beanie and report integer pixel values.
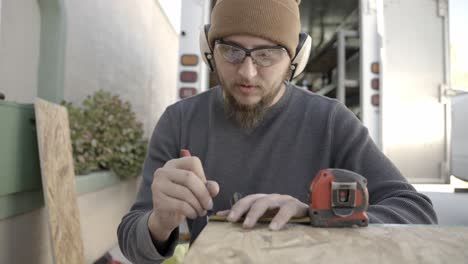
(275, 20)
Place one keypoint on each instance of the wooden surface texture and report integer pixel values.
(222, 242)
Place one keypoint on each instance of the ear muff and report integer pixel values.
(205, 50)
(303, 49)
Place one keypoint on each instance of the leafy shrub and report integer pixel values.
(106, 135)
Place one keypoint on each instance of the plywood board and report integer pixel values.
(58, 182)
(223, 242)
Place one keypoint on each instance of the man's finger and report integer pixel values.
(194, 184)
(182, 193)
(223, 213)
(242, 206)
(213, 188)
(259, 208)
(289, 209)
(170, 204)
(192, 164)
(285, 213)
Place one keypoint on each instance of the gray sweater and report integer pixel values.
(300, 135)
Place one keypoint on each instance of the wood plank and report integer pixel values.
(58, 182)
(229, 243)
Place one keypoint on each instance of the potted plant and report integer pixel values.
(106, 135)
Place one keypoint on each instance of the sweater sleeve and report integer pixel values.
(133, 234)
(391, 198)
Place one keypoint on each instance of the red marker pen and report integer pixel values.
(185, 153)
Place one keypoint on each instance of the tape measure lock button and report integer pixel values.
(344, 194)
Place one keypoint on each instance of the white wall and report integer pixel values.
(126, 47)
(19, 49)
(458, 43)
(173, 10)
(459, 79)
(1, 19)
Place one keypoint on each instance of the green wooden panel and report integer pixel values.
(23, 202)
(20, 203)
(52, 50)
(19, 156)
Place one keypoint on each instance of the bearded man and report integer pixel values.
(255, 134)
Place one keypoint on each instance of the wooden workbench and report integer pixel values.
(222, 242)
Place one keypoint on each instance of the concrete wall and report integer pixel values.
(19, 49)
(100, 215)
(25, 238)
(126, 47)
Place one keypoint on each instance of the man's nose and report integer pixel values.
(247, 68)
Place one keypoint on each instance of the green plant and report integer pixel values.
(106, 135)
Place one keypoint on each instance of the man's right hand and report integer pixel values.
(180, 190)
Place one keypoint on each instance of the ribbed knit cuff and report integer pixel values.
(145, 241)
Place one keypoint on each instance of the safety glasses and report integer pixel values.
(262, 56)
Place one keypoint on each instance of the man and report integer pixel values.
(258, 135)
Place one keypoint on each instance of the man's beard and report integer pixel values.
(248, 116)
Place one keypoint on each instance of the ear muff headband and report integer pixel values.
(206, 52)
(301, 58)
(298, 63)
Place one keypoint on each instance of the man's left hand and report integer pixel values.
(255, 206)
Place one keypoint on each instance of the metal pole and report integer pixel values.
(204, 72)
(446, 166)
(341, 92)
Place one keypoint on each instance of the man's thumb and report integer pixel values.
(213, 188)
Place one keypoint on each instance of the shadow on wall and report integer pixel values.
(20, 227)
